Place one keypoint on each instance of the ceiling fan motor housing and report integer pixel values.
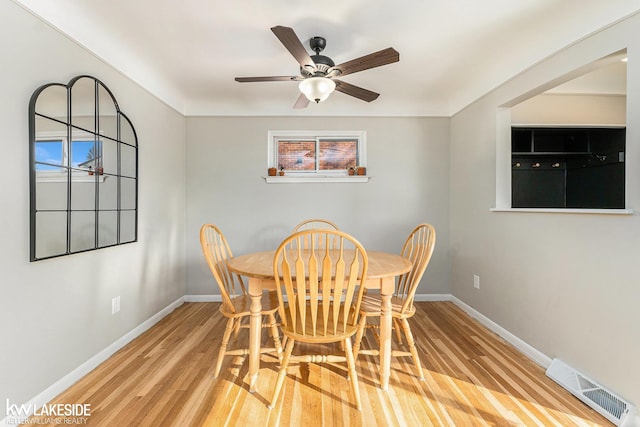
(323, 63)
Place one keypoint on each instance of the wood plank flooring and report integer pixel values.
(473, 378)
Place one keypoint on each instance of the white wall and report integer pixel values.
(56, 314)
(567, 284)
(408, 159)
(563, 109)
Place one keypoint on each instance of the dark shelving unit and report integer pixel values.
(561, 167)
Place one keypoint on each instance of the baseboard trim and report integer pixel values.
(72, 377)
(202, 298)
(526, 349)
(432, 297)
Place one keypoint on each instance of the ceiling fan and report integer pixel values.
(318, 73)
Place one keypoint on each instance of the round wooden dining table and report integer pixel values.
(382, 271)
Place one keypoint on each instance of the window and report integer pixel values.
(53, 155)
(319, 154)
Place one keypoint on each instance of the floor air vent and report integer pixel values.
(614, 408)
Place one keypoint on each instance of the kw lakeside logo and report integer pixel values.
(56, 413)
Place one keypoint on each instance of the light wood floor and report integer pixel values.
(473, 378)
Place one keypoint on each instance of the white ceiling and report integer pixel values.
(188, 52)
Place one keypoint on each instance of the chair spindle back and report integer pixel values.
(323, 284)
(315, 223)
(217, 251)
(418, 248)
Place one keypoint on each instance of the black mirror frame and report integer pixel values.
(132, 142)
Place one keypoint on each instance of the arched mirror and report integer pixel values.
(83, 167)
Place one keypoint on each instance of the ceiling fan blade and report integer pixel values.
(301, 102)
(376, 59)
(293, 44)
(356, 91)
(268, 79)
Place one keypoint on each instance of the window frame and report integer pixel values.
(78, 173)
(317, 174)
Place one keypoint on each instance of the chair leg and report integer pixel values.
(236, 330)
(275, 334)
(412, 348)
(398, 329)
(282, 373)
(231, 322)
(362, 324)
(353, 376)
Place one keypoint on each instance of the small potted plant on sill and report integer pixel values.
(351, 171)
(361, 170)
(272, 171)
(281, 173)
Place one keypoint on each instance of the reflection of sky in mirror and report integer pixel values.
(51, 152)
(48, 152)
(80, 153)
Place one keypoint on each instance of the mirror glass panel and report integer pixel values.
(108, 115)
(50, 146)
(128, 195)
(127, 160)
(108, 193)
(109, 158)
(107, 228)
(83, 194)
(77, 172)
(50, 154)
(82, 154)
(127, 226)
(83, 230)
(51, 192)
(52, 102)
(127, 133)
(52, 234)
(83, 103)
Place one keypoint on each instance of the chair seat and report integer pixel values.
(242, 305)
(371, 303)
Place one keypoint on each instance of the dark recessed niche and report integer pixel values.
(576, 168)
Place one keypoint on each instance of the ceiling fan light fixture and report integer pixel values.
(317, 88)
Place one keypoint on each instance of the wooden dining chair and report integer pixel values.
(418, 248)
(318, 224)
(319, 292)
(235, 299)
(315, 223)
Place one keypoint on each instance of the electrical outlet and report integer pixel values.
(476, 281)
(115, 305)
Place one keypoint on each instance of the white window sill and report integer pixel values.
(74, 178)
(567, 211)
(291, 179)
